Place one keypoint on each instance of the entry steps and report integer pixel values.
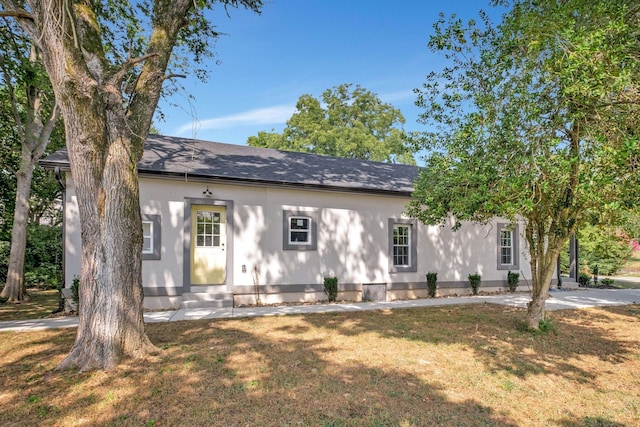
(206, 297)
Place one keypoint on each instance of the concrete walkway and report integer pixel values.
(558, 300)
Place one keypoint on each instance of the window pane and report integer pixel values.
(216, 240)
(401, 245)
(299, 223)
(299, 236)
(300, 230)
(506, 247)
(147, 237)
(146, 245)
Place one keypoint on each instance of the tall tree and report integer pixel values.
(344, 123)
(534, 119)
(107, 62)
(34, 115)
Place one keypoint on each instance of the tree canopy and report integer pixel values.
(344, 123)
(534, 119)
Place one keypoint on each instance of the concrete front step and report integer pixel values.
(206, 300)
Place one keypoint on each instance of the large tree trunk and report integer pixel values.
(105, 137)
(104, 158)
(15, 288)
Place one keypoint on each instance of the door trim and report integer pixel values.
(186, 251)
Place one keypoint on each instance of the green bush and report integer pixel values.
(584, 279)
(603, 247)
(331, 288)
(607, 282)
(44, 277)
(42, 260)
(5, 249)
(432, 283)
(75, 291)
(474, 281)
(512, 280)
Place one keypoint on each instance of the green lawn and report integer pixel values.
(42, 304)
(447, 366)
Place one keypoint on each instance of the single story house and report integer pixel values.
(228, 224)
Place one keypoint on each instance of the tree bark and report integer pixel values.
(105, 134)
(15, 288)
(105, 137)
(110, 323)
(540, 292)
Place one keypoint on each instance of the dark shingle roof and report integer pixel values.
(168, 155)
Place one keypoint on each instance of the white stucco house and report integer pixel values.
(228, 224)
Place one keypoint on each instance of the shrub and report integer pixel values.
(43, 277)
(432, 283)
(75, 291)
(604, 247)
(584, 279)
(607, 282)
(512, 280)
(331, 288)
(474, 281)
(5, 249)
(595, 269)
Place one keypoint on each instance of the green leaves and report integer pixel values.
(344, 123)
(534, 116)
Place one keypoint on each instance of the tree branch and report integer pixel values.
(172, 76)
(22, 14)
(131, 62)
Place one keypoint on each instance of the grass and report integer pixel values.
(448, 366)
(42, 304)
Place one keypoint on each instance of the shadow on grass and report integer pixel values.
(338, 369)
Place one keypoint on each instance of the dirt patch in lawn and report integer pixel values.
(455, 365)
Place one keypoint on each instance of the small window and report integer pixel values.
(208, 229)
(508, 246)
(299, 230)
(147, 237)
(151, 237)
(403, 245)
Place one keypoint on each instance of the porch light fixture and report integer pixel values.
(207, 192)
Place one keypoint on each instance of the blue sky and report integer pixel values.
(300, 47)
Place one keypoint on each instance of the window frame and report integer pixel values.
(515, 242)
(156, 237)
(312, 230)
(412, 227)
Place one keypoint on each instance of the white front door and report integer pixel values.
(208, 237)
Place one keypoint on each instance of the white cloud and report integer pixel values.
(260, 116)
(400, 96)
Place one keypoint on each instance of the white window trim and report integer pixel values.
(307, 230)
(515, 239)
(150, 249)
(156, 237)
(312, 243)
(396, 245)
(412, 267)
